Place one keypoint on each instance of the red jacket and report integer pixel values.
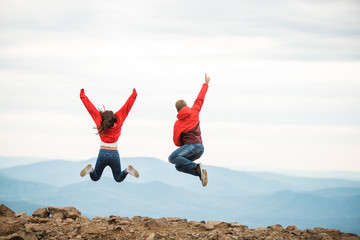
(112, 134)
(188, 118)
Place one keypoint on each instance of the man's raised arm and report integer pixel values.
(201, 96)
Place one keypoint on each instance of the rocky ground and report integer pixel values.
(68, 223)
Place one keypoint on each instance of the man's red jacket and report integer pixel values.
(188, 118)
(112, 134)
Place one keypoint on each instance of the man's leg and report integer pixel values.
(184, 156)
(202, 173)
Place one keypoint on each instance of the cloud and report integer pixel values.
(290, 65)
(298, 30)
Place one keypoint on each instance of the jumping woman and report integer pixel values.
(108, 126)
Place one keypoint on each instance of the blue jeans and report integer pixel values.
(184, 156)
(109, 158)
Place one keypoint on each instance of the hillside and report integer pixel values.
(253, 199)
(69, 223)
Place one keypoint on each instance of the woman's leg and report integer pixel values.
(115, 165)
(100, 165)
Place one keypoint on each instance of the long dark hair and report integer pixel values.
(108, 120)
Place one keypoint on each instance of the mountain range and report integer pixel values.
(251, 198)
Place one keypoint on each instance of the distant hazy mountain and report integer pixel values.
(6, 162)
(253, 199)
(62, 173)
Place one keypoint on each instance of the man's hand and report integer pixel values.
(207, 79)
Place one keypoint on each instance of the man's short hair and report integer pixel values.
(180, 104)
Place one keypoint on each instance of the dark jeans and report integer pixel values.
(109, 158)
(184, 156)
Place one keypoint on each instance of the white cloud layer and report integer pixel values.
(285, 90)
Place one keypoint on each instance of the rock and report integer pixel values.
(324, 236)
(172, 219)
(309, 231)
(56, 212)
(58, 216)
(194, 223)
(277, 228)
(124, 222)
(156, 223)
(261, 229)
(350, 236)
(209, 226)
(9, 225)
(291, 228)
(41, 212)
(71, 212)
(151, 236)
(22, 235)
(64, 212)
(20, 214)
(68, 223)
(215, 223)
(6, 212)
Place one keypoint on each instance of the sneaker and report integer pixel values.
(198, 170)
(88, 169)
(204, 179)
(132, 171)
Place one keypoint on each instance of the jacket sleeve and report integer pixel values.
(200, 98)
(94, 113)
(124, 111)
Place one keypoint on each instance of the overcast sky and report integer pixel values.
(284, 90)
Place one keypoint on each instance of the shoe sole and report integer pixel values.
(85, 170)
(205, 178)
(136, 173)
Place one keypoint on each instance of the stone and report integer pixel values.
(20, 214)
(314, 237)
(209, 226)
(41, 212)
(6, 212)
(71, 212)
(349, 236)
(124, 222)
(151, 236)
(64, 212)
(261, 229)
(291, 228)
(58, 216)
(172, 219)
(310, 231)
(67, 223)
(215, 223)
(156, 223)
(325, 236)
(194, 223)
(277, 228)
(22, 235)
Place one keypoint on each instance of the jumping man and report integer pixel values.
(187, 136)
